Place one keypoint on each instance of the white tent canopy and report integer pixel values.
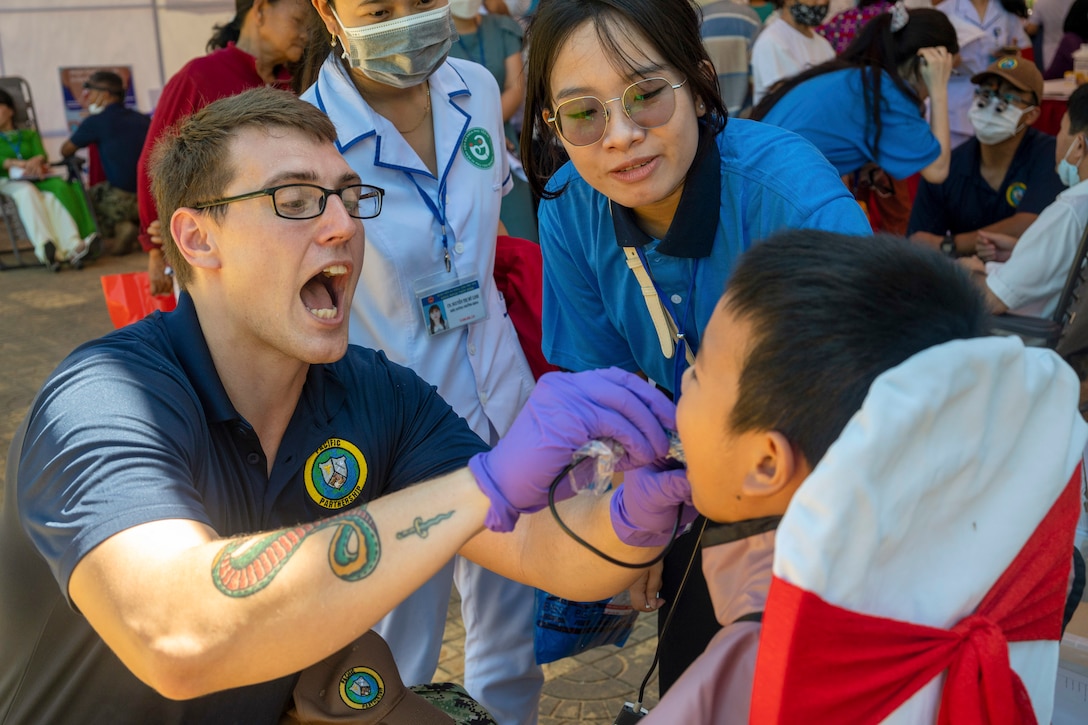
(154, 37)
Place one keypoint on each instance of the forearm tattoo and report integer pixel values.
(245, 567)
(421, 528)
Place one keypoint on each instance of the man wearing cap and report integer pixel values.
(1001, 179)
(119, 134)
(1026, 275)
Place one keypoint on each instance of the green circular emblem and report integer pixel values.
(478, 149)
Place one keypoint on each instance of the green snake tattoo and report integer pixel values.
(245, 567)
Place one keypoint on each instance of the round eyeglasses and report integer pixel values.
(649, 103)
(307, 201)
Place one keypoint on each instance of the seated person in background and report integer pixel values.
(789, 44)
(1000, 180)
(131, 576)
(119, 133)
(40, 200)
(1026, 276)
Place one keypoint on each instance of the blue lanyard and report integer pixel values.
(679, 356)
(15, 144)
(438, 211)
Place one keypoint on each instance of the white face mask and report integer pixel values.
(465, 9)
(401, 53)
(992, 127)
(96, 108)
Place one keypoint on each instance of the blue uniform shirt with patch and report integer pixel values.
(136, 427)
(594, 315)
(964, 202)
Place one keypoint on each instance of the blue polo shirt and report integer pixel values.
(965, 202)
(829, 110)
(759, 179)
(136, 427)
(119, 133)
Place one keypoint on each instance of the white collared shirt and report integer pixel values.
(1031, 281)
(480, 369)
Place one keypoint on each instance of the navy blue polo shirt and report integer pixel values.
(136, 427)
(119, 133)
(965, 202)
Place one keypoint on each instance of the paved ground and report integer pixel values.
(43, 316)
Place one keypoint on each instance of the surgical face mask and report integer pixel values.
(401, 53)
(1067, 172)
(993, 126)
(96, 108)
(465, 9)
(809, 15)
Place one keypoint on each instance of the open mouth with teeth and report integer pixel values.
(323, 292)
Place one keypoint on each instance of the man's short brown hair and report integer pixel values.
(192, 163)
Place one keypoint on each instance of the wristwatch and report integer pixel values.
(948, 245)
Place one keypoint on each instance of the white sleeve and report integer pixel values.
(771, 62)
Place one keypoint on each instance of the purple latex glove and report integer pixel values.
(564, 412)
(645, 505)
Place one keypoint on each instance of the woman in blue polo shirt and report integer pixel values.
(627, 91)
(863, 110)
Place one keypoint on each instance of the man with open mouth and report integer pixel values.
(131, 577)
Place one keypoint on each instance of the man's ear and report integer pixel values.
(194, 236)
(1031, 116)
(774, 467)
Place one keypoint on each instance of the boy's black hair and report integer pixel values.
(828, 314)
(1077, 108)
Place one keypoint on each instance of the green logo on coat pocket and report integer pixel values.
(478, 149)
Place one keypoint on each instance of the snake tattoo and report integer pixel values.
(245, 567)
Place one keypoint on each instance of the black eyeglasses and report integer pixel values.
(649, 103)
(307, 201)
(89, 87)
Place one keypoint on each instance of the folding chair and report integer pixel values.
(1060, 331)
(17, 251)
(921, 570)
(21, 252)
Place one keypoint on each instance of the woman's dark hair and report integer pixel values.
(229, 33)
(6, 99)
(1019, 8)
(671, 27)
(317, 50)
(874, 51)
(1076, 20)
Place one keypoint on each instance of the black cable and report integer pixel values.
(668, 618)
(594, 549)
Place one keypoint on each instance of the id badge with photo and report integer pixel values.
(448, 302)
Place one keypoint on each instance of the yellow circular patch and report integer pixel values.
(1015, 193)
(361, 688)
(335, 474)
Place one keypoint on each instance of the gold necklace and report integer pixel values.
(426, 113)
